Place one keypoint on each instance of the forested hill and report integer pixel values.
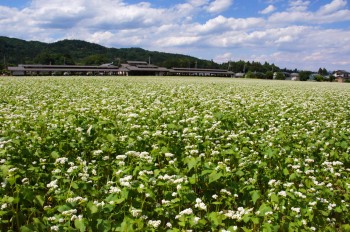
(15, 51)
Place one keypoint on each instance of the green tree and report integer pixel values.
(331, 78)
(250, 74)
(269, 75)
(304, 75)
(280, 76)
(322, 71)
(260, 75)
(44, 57)
(319, 78)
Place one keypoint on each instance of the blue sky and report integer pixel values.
(301, 34)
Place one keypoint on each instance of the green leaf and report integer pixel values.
(92, 208)
(345, 227)
(255, 220)
(264, 208)
(30, 228)
(215, 218)
(274, 198)
(127, 224)
(74, 185)
(240, 173)
(344, 144)
(55, 154)
(214, 176)
(80, 225)
(191, 162)
(39, 200)
(293, 176)
(255, 195)
(103, 225)
(111, 138)
(267, 227)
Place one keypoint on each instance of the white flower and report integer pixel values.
(69, 212)
(165, 202)
(135, 212)
(225, 191)
(215, 196)
(188, 211)
(76, 199)
(62, 160)
(297, 210)
(169, 155)
(282, 193)
(196, 220)
(120, 157)
(4, 206)
(168, 224)
(199, 204)
(313, 203)
(113, 189)
(54, 228)
(52, 184)
(154, 223)
(97, 152)
(51, 219)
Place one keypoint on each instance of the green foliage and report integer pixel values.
(269, 75)
(79, 52)
(84, 53)
(250, 75)
(304, 75)
(173, 154)
(279, 76)
(319, 78)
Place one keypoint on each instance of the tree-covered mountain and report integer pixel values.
(15, 51)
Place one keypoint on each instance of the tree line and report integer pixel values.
(76, 52)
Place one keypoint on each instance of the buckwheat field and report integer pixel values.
(173, 154)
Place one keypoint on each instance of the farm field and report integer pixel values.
(173, 154)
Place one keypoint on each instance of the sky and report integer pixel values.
(301, 34)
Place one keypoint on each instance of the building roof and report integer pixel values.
(201, 70)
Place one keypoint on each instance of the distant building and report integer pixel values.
(239, 75)
(131, 68)
(342, 76)
(295, 77)
(201, 72)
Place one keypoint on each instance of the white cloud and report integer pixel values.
(177, 41)
(298, 5)
(268, 10)
(298, 13)
(218, 6)
(292, 38)
(335, 5)
(223, 57)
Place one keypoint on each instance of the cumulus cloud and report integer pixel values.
(298, 5)
(268, 9)
(289, 37)
(218, 6)
(332, 7)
